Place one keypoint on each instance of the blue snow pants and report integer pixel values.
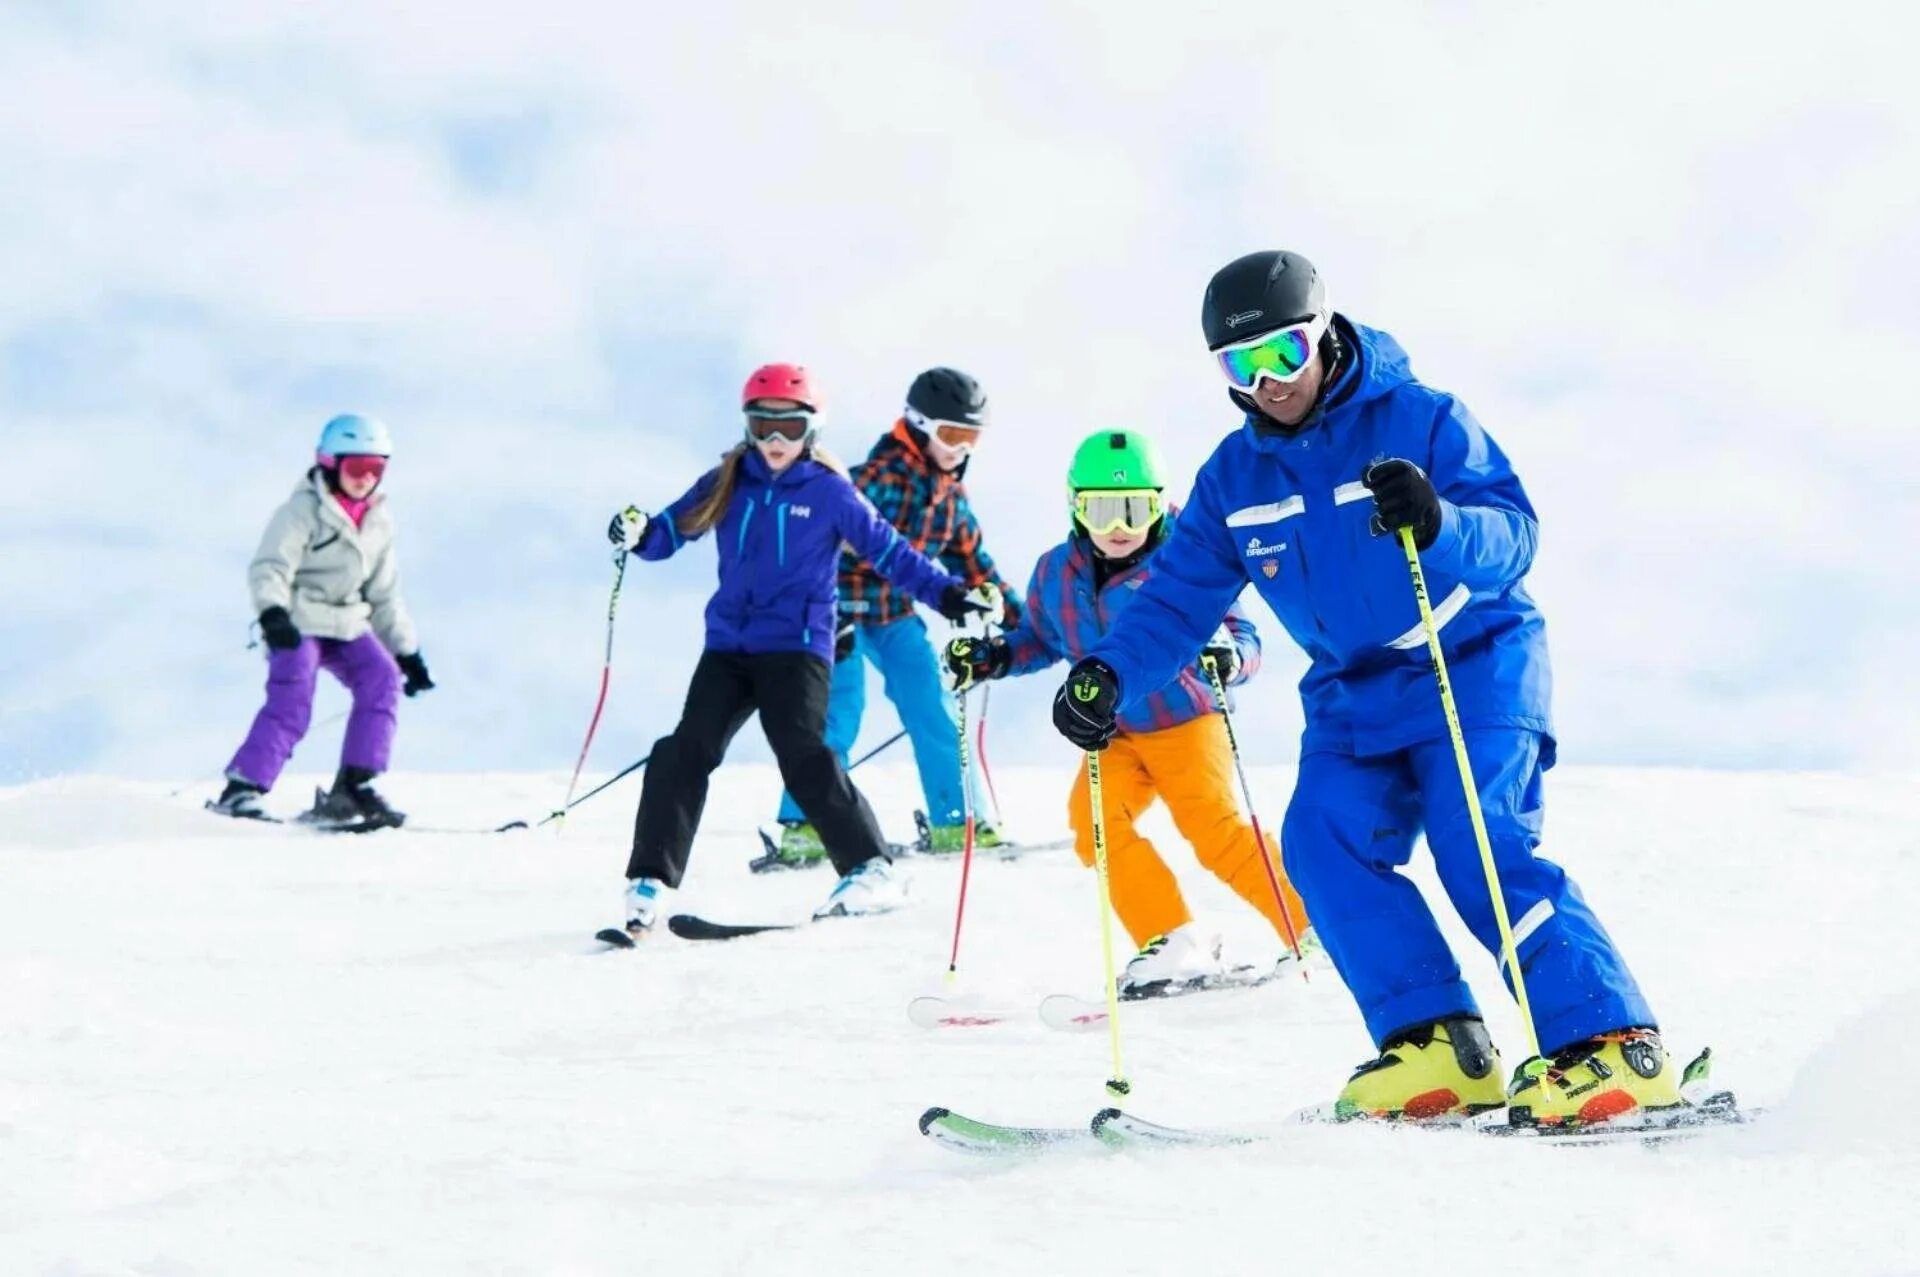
(910, 671)
(1351, 825)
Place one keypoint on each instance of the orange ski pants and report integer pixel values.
(1190, 768)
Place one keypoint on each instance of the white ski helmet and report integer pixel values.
(352, 435)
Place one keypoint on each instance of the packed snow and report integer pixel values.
(229, 1048)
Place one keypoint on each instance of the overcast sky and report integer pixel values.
(1667, 252)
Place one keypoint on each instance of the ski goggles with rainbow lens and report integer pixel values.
(1132, 511)
(1281, 355)
(362, 467)
(791, 424)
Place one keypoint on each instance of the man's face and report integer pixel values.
(1289, 402)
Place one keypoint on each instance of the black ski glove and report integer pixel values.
(414, 666)
(970, 660)
(957, 603)
(1403, 497)
(277, 628)
(1084, 707)
(843, 640)
(1225, 656)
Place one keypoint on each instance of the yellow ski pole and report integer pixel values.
(1117, 1085)
(1509, 952)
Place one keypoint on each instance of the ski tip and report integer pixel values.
(614, 938)
(1101, 1119)
(511, 824)
(932, 1115)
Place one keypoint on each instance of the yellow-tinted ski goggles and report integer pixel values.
(1134, 510)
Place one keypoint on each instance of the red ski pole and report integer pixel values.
(966, 853)
(606, 675)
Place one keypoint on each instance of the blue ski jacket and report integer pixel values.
(1289, 514)
(779, 544)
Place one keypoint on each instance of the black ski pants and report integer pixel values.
(790, 691)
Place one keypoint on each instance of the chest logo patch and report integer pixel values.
(1269, 568)
(1257, 550)
(800, 511)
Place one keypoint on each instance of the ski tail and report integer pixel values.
(693, 927)
(961, 1134)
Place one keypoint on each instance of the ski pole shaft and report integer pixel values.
(1117, 1084)
(606, 675)
(966, 853)
(1246, 793)
(1509, 954)
(602, 787)
(986, 772)
(894, 739)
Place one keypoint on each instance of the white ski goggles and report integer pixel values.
(1281, 355)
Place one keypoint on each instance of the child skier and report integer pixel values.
(326, 587)
(1339, 448)
(781, 510)
(915, 476)
(1170, 745)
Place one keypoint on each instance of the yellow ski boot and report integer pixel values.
(1445, 1069)
(1595, 1081)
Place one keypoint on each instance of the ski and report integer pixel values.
(318, 827)
(934, 1012)
(961, 1134)
(693, 927)
(922, 845)
(771, 861)
(1702, 1110)
(1070, 1013)
(1118, 1129)
(614, 938)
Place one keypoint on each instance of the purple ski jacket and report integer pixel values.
(779, 544)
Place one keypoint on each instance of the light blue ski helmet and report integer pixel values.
(352, 435)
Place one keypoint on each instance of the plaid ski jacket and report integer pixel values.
(928, 506)
(1066, 616)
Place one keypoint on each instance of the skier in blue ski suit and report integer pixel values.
(1340, 444)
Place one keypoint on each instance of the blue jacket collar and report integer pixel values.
(755, 468)
(1375, 365)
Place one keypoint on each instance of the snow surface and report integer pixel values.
(233, 1049)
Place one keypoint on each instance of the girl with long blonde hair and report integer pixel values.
(779, 512)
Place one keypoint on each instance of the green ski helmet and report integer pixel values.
(1117, 461)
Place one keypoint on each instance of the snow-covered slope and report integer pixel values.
(230, 1049)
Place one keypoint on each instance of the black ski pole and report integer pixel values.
(606, 784)
(894, 739)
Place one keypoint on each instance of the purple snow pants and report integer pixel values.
(367, 670)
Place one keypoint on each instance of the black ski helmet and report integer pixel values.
(1259, 293)
(947, 394)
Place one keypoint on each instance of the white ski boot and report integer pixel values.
(1181, 957)
(872, 886)
(644, 900)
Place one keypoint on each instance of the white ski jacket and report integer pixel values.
(335, 580)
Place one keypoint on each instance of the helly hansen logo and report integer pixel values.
(1255, 550)
(800, 511)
